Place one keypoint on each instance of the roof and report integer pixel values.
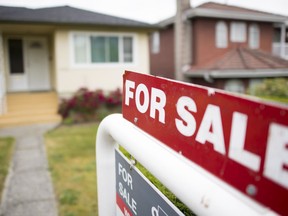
(64, 15)
(216, 10)
(241, 62)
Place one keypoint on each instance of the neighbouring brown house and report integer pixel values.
(222, 46)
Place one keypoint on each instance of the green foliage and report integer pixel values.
(6, 149)
(277, 87)
(69, 197)
(86, 105)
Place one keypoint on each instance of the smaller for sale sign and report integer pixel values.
(135, 195)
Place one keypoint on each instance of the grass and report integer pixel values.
(6, 149)
(71, 155)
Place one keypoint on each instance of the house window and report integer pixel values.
(94, 48)
(155, 44)
(80, 49)
(254, 36)
(238, 32)
(221, 35)
(234, 85)
(16, 56)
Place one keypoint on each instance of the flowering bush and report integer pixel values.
(86, 105)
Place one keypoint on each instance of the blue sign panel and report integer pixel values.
(136, 196)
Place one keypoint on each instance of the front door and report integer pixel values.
(28, 64)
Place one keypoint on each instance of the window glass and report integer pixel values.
(254, 35)
(221, 34)
(112, 49)
(97, 49)
(238, 32)
(15, 47)
(103, 49)
(80, 48)
(155, 44)
(234, 85)
(127, 49)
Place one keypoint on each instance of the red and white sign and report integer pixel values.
(242, 141)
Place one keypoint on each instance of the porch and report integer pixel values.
(280, 50)
(30, 108)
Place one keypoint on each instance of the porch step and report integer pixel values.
(30, 108)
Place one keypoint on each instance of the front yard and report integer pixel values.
(71, 156)
(6, 149)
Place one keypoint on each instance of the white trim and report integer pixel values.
(89, 64)
(227, 14)
(240, 73)
(3, 104)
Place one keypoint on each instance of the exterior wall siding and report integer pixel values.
(71, 77)
(204, 39)
(162, 63)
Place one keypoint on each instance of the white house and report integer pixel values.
(52, 52)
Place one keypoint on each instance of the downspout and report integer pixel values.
(182, 39)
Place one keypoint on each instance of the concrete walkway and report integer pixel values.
(28, 188)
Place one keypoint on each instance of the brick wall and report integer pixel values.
(204, 39)
(162, 63)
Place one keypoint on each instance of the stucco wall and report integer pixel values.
(70, 77)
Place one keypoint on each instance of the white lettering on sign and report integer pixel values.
(212, 119)
(157, 101)
(127, 178)
(187, 127)
(237, 142)
(276, 166)
(210, 130)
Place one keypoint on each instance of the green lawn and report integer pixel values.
(71, 155)
(6, 149)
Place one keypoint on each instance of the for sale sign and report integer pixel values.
(241, 141)
(135, 195)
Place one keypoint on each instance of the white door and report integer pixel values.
(37, 64)
(17, 80)
(29, 64)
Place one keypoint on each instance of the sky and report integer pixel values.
(150, 11)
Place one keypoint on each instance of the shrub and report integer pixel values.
(86, 105)
(273, 87)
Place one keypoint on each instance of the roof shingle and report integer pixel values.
(243, 59)
(64, 15)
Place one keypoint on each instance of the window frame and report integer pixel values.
(88, 35)
(235, 30)
(254, 36)
(155, 42)
(221, 35)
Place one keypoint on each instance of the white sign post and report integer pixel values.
(199, 190)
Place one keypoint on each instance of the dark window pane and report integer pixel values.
(128, 50)
(15, 47)
(113, 49)
(98, 49)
